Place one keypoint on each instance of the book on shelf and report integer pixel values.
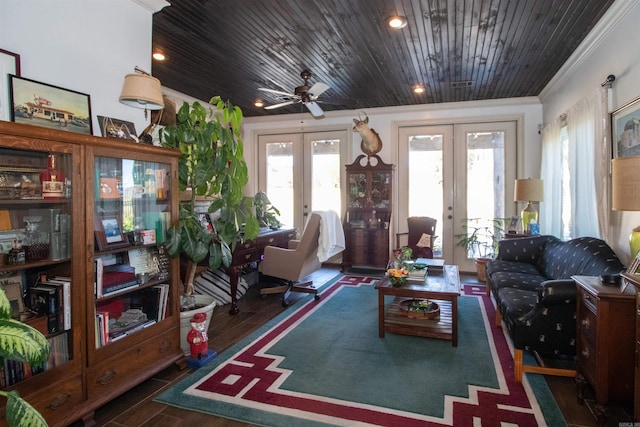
(63, 290)
(44, 301)
(113, 279)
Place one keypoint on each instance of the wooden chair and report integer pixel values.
(419, 226)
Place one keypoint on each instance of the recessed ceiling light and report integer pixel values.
(159, 56)
(397, 21)
(258, 103)
(418, 89)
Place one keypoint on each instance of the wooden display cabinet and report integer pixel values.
(62, 238)
(368, 213)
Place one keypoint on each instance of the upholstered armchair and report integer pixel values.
(293, 263)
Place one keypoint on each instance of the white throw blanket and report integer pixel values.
(331, 239)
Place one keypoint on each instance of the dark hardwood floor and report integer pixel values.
(137, 408)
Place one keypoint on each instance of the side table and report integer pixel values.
(605, 338)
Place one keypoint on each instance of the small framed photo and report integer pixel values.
(12, 285)
(625, 127)
(118, 129)
(109, 235)
(9, 65)
(633, 266)
(40, 104)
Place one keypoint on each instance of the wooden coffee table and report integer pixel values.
(443, 289)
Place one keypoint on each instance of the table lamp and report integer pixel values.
(528, 190)
(625, 193)
(141, 90)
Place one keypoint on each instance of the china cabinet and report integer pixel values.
(368, 213)
(82, 226)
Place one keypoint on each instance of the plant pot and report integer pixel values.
(205, 304)
(481, 269)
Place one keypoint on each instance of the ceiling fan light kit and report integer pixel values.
(304, 94)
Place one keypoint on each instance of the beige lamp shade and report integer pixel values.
(529, 190)
(625, 184)
(142, 91)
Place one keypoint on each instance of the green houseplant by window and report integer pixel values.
(211, 164)
(480, 238)
(22, 343)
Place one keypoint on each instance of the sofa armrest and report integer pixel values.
(553, 292)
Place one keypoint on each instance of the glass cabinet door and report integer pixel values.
(132, 212)
(36, 239)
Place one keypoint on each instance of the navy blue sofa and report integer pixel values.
(530, 280)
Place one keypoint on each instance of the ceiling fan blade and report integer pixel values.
(317, 89)
(277, 92)
(314, 109)
(282, 104)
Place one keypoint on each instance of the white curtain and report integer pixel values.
(551, 174)
(588, 177)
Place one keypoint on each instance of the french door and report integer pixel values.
(453, 173)
(301, 172)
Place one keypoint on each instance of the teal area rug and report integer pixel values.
(322, 363)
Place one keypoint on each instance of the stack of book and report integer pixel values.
(113, 279)
(417, 275)
(52, 299)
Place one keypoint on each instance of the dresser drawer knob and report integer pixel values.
(107, 377)
(585, 353)
(585, 323)
(59, 400)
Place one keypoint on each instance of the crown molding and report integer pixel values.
(153, 6)
(592, 41)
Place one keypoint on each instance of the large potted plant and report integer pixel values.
(480, 238)
(22, 343)
(212, 166)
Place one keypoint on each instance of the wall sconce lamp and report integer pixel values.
(529, 190)
(625, 193)
(142, 90)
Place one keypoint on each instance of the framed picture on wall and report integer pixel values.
(40, 104)
(625, 129)
(9, 65)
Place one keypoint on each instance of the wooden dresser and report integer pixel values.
(634, 280)
(605, 340)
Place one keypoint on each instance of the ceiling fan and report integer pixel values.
(304, 94)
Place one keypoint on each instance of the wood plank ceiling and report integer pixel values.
(460, 50)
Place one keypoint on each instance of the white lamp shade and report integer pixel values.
(529, 190)
(142, 91)
(625, 184)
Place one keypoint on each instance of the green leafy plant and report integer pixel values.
(266, 213)
(211, 164)
(22, 343)
(480, 236)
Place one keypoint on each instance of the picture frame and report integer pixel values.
(624, 129)
(12, 285)
(633, 266)
(117, 129)
(41, 104)
(9, 65)
(108, 233)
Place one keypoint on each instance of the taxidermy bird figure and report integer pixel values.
(371, 143)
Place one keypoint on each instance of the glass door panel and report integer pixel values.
(302, 172)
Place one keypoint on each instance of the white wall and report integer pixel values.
(386, 121)
(83, 45)
(612, 48)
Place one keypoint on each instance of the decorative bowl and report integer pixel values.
(397, 281)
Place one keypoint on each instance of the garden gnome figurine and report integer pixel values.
(197, 336)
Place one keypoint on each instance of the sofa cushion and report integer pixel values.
(586, 256)
(527, 280)
(515, 303)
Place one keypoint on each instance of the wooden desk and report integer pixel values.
(252, 251)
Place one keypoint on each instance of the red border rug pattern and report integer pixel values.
(251, 378)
